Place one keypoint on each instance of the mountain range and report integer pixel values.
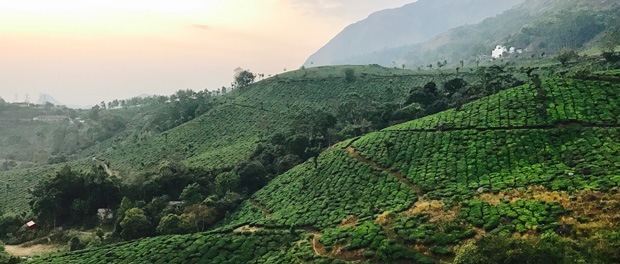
(413, 23)
(535, 26)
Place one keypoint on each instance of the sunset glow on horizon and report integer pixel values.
(82, 51)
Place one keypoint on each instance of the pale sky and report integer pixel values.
(83, 52)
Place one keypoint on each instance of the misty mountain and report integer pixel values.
(46, 98)
(535, 26)
(413, 23)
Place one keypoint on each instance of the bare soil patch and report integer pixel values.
(435, 209)
(247, 228)
(34, 250)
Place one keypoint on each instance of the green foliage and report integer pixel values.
(549, 248)
(454, 86)
(269, 247)
(191, 194)
(519, 217)
(611, 56)
(339, 187)
(567, 55)
(417, 229)
(6, 258)
(71, 197)
(349, 74)
(198, 217)
(170, 224)
(134, 224)
(10, 225)
(75, 244)
(372, 238)
(243, 78)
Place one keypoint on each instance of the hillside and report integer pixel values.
(537, 27)
(229, 132)
(411, 24)
(526, 161)
(231, 129)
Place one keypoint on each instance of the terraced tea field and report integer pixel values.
(521, 162)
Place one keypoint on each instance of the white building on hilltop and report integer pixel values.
(499, 51)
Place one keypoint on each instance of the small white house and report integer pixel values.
(499, 51)
(31, 225)
(105, 214)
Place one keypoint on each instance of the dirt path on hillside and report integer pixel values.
(107, 169)
(319, 249)
(28, 251)
(261, 206)
(392, 172)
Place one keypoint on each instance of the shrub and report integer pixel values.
(135, 224)
(349, 75)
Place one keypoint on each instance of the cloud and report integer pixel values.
(201, 27)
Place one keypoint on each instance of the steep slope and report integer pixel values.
(228, 133)
(525, 161)
(231, 130)
(410, 24)
(536, 26)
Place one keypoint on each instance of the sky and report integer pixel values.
(83, 52)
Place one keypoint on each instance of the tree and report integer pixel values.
(135, 224)
(6, 258)
(424, 96)
(453, 86)
(349, 75)
(243, 77)
(226, 181)
(199, 216)
(191, 194)
(125, 205)
(71, 197)
(252, 175)
(75, 244)
(611, 56)
(566, 56)
(170, 224)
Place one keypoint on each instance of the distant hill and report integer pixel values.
(46, 98)
(228, 133)
(410, 24)
(535, 26)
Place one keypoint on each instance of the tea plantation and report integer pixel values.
(228, 134)
(527, 163)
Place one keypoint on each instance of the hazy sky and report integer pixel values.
(87, 51)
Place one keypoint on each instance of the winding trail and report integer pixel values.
(261, 206)
(319, 249)
(107, 169)
(354, 154)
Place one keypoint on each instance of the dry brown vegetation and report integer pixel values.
(351, 221)
(247, 228)
(337, 251)
(34, 250)
(595, 210)
(435, 209)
